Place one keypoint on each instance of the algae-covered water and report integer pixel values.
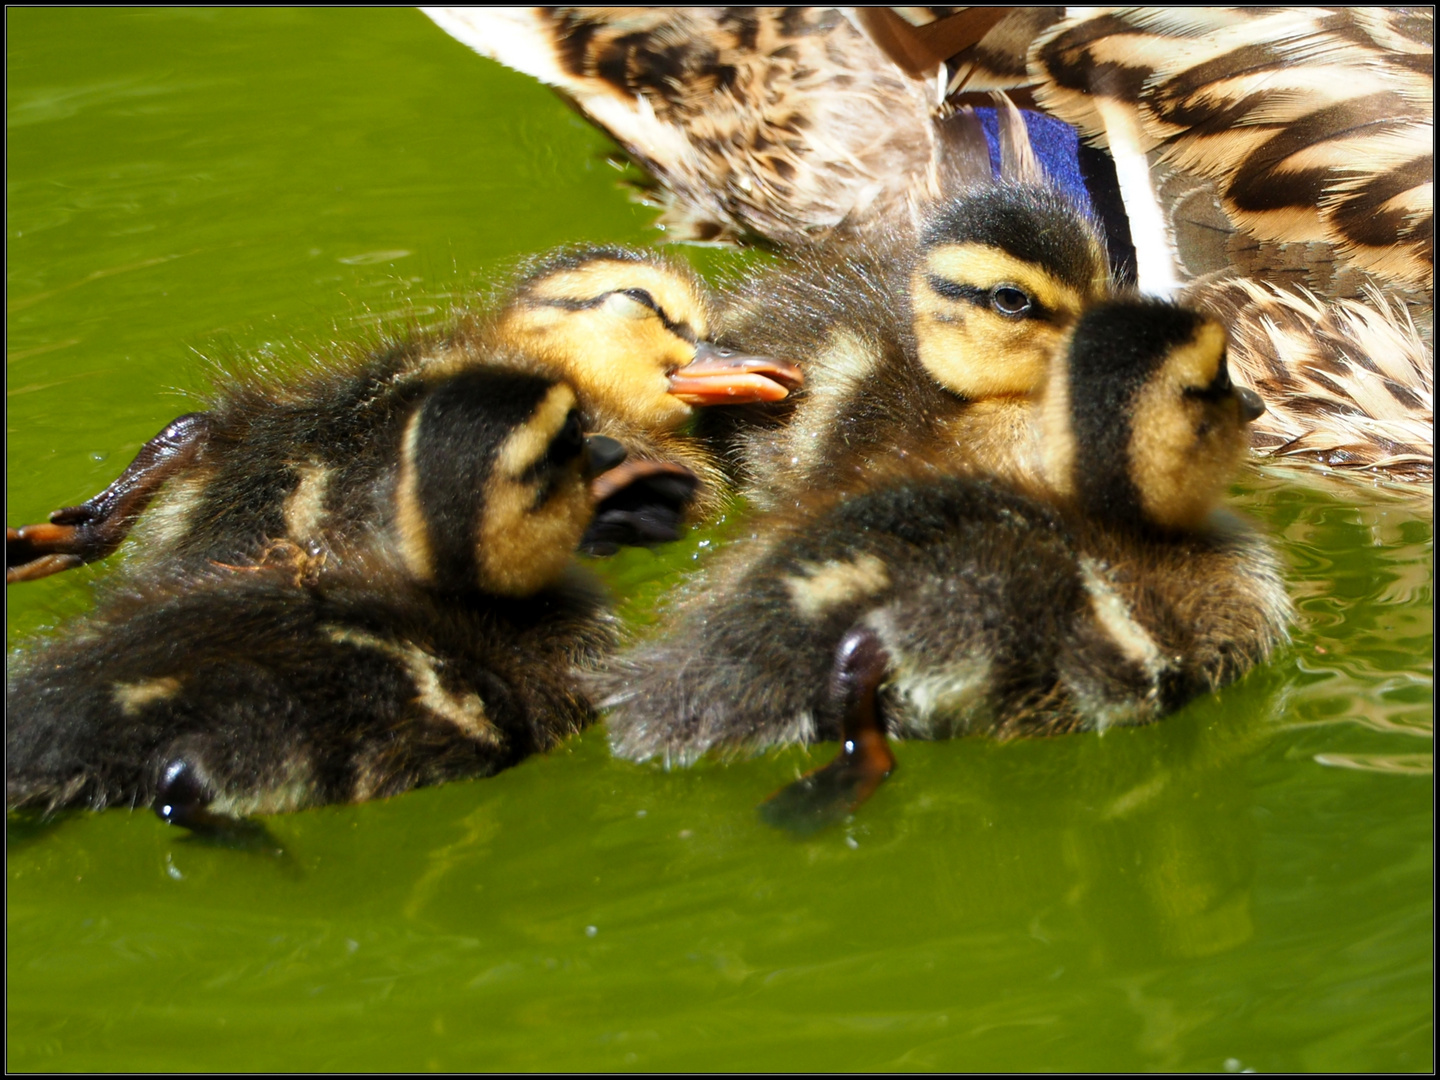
(1245, 886)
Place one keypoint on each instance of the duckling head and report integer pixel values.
(1141, 422)
(1001, 275)
(630, 331)
(493, 487)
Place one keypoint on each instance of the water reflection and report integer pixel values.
(1137, 846)
(1362, 574)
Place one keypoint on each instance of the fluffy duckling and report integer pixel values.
(946, 605)
(1274, 164)
(302, 461)
(225, 690)
(935, 344)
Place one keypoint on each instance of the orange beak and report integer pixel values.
(721, 377)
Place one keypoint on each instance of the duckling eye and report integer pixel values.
(643, 298)
(640, 296)
(568, 443)
(1008, 300)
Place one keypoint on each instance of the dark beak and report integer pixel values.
(1250, 404)
(602, 454)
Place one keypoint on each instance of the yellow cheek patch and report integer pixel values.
(1184, 450)
(979, 353)
(529, 442)
(971, 348)
(1197, 363)
(622, 369)
(522, 548)
(618, 353)
(1057, 430)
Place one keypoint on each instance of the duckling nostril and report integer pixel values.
(1251, 406)
(603, 454)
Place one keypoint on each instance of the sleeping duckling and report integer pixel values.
(635, 333)
(1276, 163)
(301, 461)
(920, 344)
(968, 605)
(224, 691)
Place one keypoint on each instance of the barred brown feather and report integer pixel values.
(1313, 124)
(788, 123)
(1348, 382)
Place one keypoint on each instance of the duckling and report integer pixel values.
(301, 461)
(1272, 165)
(218, 691)
(642, 356)
(968, 605)
(919, 344)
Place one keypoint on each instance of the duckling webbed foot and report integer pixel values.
(825, 796)
(86, 533)
(638, 503)
(183, 799)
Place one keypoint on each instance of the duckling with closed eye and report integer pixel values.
(220, 691)
(1275, 163)
(926, 604)
(642, 356)
(301, 460)
(937, 343)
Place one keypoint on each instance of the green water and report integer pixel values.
(1245, 886)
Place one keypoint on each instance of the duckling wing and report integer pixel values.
(789, 123)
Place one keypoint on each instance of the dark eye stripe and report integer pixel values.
(682, 330)
(1218, 389)
(565, 447)
(640, 296)
(679, 329)
(990, 299)
(953, 290)
(1210, 393)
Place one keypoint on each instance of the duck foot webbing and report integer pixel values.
(86, 533)
(829, 794)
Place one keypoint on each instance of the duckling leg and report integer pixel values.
(825, 796)
(76, 535)
(183, 798)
